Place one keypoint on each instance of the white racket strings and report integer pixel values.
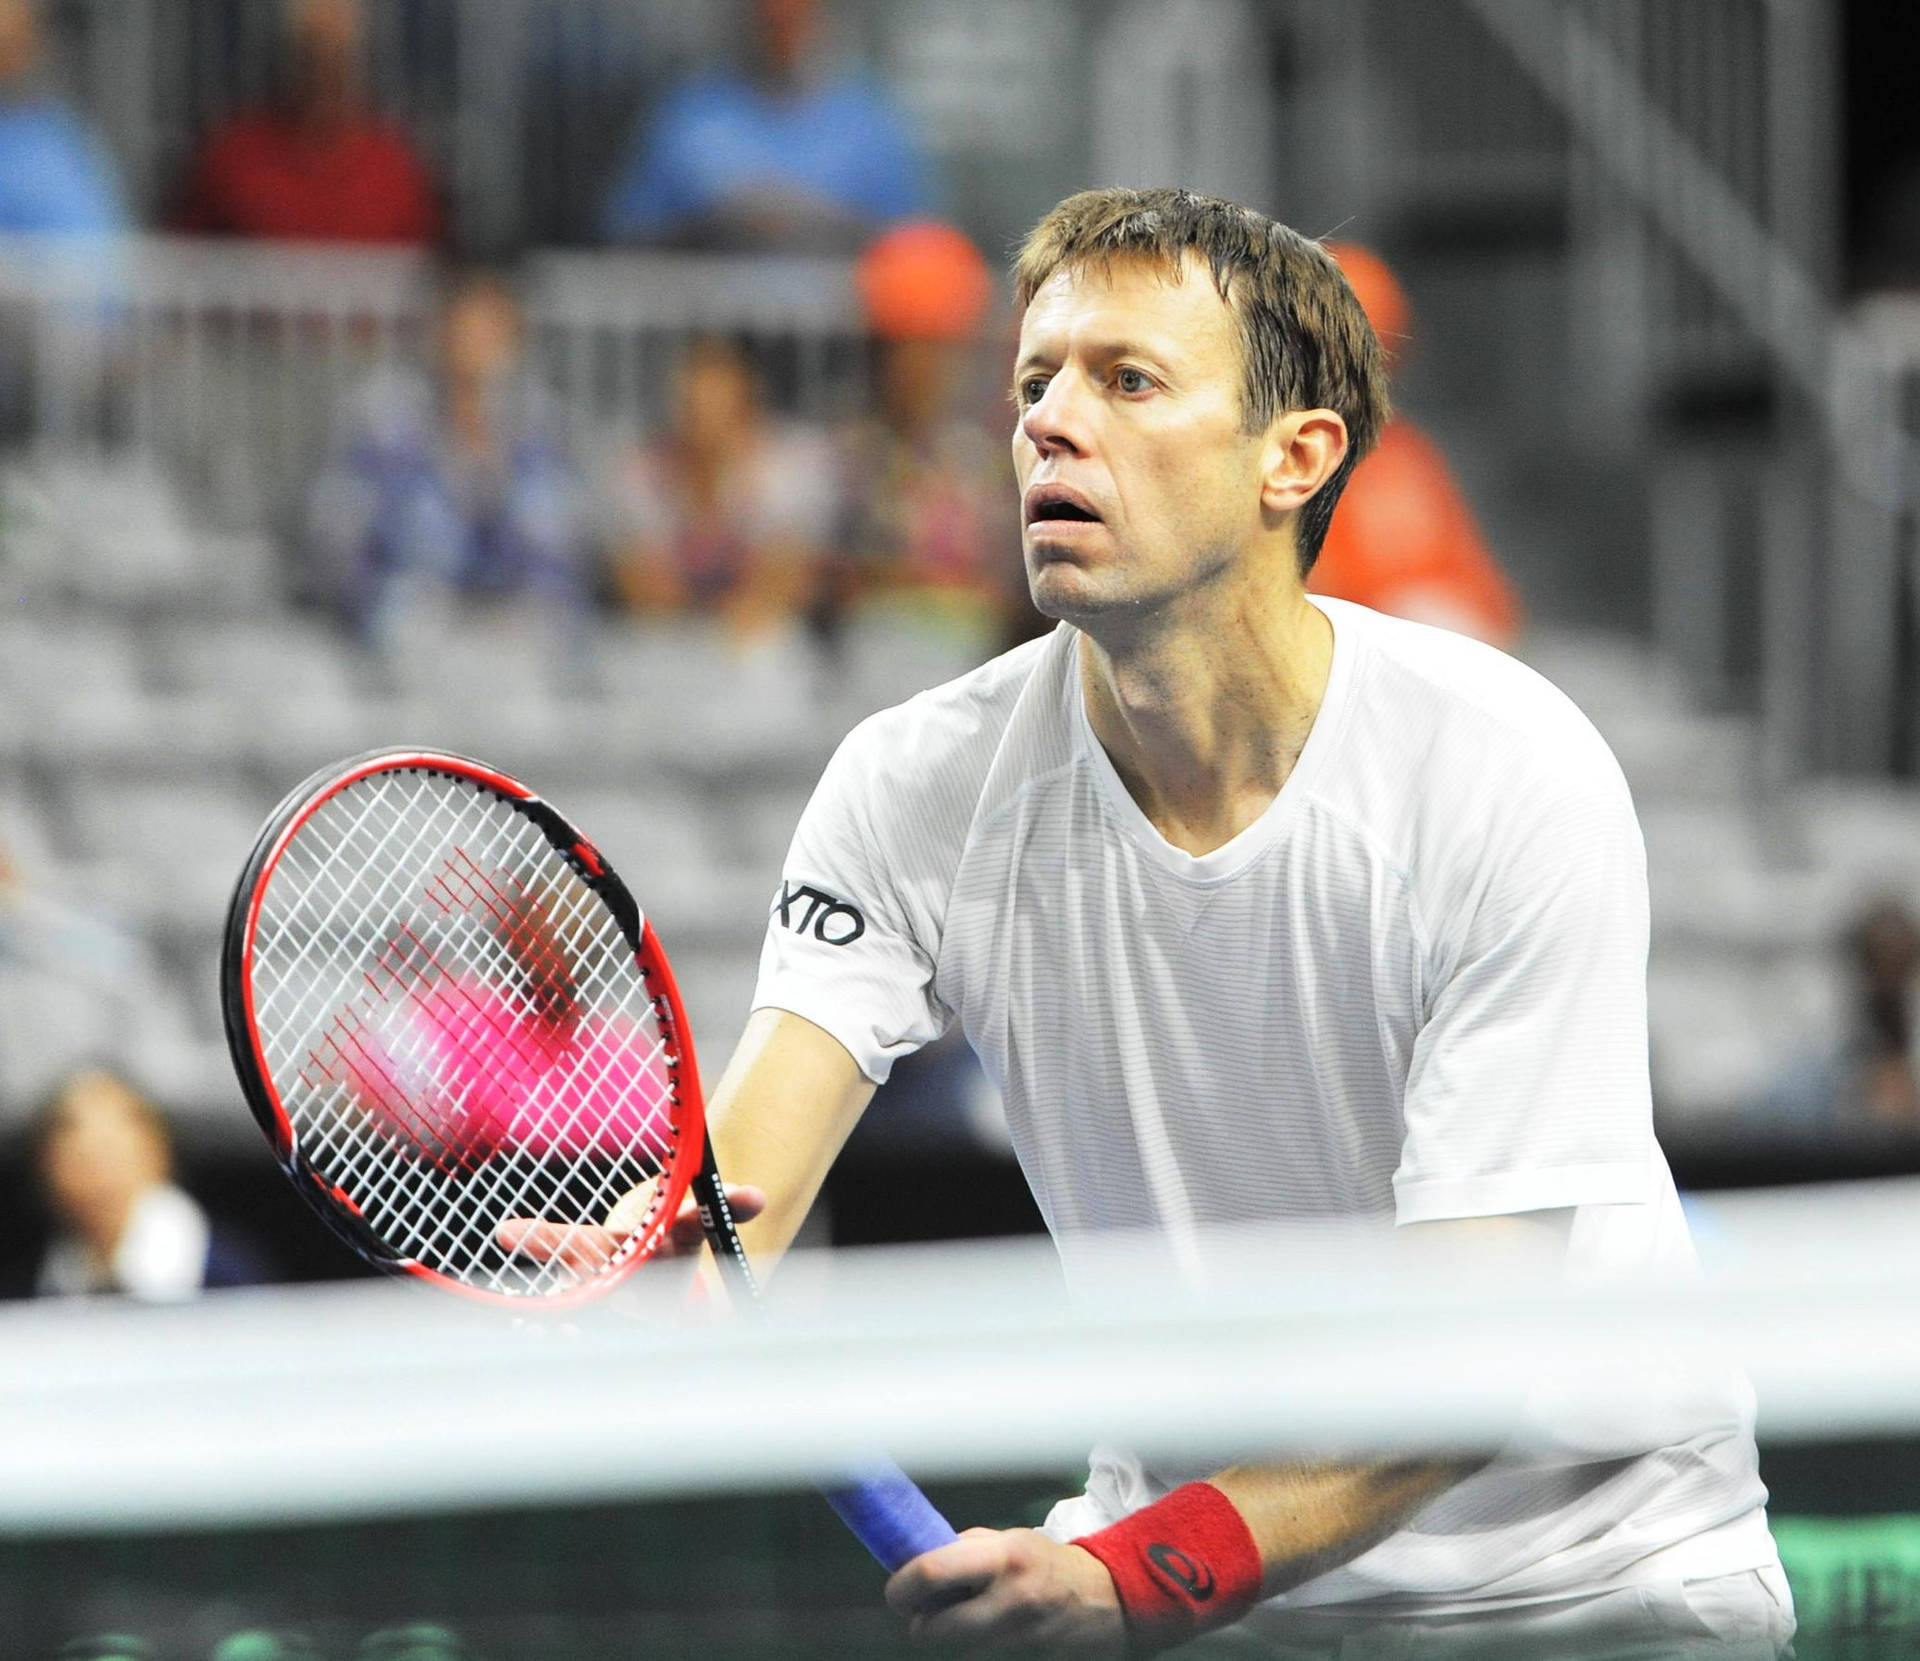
(457, 1027)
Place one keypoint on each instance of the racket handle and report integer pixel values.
(890, 1516)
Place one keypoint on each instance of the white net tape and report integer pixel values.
(318, 1402)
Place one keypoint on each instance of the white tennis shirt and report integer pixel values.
(1413, 989)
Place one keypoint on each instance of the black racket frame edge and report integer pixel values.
(715, 1215)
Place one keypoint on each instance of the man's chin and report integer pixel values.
(1068, 594)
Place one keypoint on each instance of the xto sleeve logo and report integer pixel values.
(806, 910)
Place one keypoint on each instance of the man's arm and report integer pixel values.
(1010, 1589)
(787, 1102)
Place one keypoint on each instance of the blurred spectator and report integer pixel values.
(796, 154)
(318, 165)
(104, 1159)
(54, 177)
(1403, 539)
(932, 519)
(730, 511)
(56, 181)
(451, 487)
(1864, 1085)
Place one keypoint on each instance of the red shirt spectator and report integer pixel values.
(317, 166)
(267, 175)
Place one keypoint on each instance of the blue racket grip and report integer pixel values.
(890, 1516)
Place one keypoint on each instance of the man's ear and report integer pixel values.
(1304, 449)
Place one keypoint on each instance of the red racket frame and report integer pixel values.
(334, 1205)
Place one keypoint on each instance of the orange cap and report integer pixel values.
(923, 281)
(1379, 292)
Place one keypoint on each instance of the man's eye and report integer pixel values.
(1032, 391)
(1131, 380)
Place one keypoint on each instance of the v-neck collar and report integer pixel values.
(1242, 849)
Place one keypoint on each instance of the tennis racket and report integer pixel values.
(448, 1014)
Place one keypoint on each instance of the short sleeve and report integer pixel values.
(841, 949)
(1528, 1089)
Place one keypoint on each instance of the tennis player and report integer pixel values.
(1257, 907)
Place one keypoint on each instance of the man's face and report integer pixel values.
(715, 397)
(480, 333)
(788, 30)
(19, 39)
(325, 45)
(1138, 483)
(101, 1154)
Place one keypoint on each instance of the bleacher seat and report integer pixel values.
(1714, 879)
(662, 841)
(49, 1025)
(170, 850)
(889, 655)
(716, 987)
(258, 659)
(1870, 833)
(1722, 1031)
(126, 538)
(692, 698)
(52, 657)
(759, 822)
(24, 836)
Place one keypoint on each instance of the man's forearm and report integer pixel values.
(1205, 1554)
(788, 1099)
(1307, 1519)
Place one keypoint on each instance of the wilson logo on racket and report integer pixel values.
(1194, 1579)
(831, 921)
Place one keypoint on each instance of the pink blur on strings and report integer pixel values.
(471, 1072)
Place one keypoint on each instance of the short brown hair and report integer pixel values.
(1304, 341)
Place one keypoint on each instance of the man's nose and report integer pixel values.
(1056, 420)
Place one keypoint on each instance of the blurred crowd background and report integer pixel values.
(615, 390)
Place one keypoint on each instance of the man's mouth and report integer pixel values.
(1054, 503)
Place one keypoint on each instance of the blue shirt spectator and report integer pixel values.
(54, 176)
(791, 156)
(457, 484)
(724, 157)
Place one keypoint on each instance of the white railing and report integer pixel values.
(227, 360)
(222, 360)
(607, 327)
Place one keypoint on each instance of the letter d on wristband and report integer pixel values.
(1183, 1565)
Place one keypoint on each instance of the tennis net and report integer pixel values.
(357, 1461)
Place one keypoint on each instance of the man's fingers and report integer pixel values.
(686, 1235)
(588, 1248)
(577, 1245)
(747, 1203)
(947, 1575)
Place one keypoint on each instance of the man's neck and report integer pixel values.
(1205, 716)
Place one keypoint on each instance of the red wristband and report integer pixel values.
(1183, 1565)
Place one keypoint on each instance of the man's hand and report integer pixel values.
(588, 1249)
(991, 1591)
